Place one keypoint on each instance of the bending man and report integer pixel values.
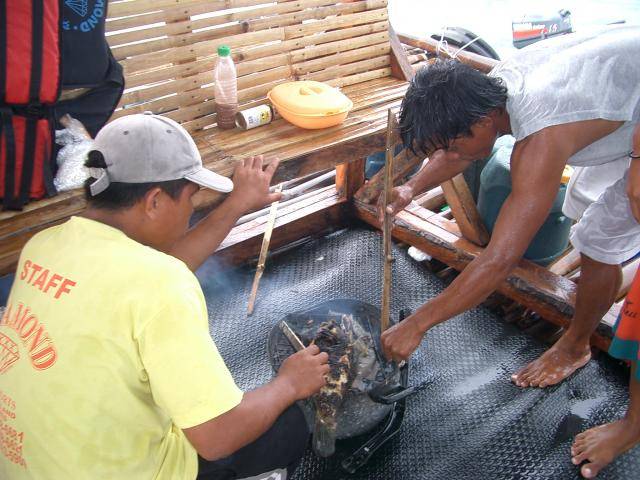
(571, 100)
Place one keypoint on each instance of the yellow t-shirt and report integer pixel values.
(105, 355)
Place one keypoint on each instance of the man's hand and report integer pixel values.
(251, 184)
(401, 340)
(305, 372)
(401, 196)
(633, 181)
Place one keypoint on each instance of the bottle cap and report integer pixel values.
(224, 51)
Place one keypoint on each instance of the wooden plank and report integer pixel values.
(567, 263)
(484, 64)
(433, 217)
(318, 218)
(338, 71)
(342, 58)
(404, 162)
(431, 200)
(116, 37)
(126, 8)
(185, 38)
(306, 29)
(459, 197)
(549, 295)
(400, 66)
(611, 316)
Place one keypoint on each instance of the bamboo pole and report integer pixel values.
(263, 253)
(392, 129)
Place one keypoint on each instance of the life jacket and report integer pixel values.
(46, 46)
(30, 83)
(87, 62)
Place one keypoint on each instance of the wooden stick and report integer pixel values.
(263, 253)
(291, 336)
(481, 63)
(392, 134)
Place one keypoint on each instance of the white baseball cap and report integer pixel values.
(147, 148)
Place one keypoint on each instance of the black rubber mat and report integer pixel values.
(472, 422)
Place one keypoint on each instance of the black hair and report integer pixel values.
(442, 102)
(120, 195)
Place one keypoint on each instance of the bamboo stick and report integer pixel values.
(201, 49)
(338, 71)
(123, 9)
(316, 51)
(160, 45)
(392, 135)
(319, 13)
(350, 56)
(300, 45)
(117, 37)
(310, 28)
(263, 254)
(360, 77)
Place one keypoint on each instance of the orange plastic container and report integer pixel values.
(309, 104)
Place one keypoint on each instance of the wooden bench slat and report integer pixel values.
(168, 51)
(126, 8)
(224, 30)
(161, 25)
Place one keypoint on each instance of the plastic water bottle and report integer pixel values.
(225, 89)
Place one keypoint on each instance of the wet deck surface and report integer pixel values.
(471, 423)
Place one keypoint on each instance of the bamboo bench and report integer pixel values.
(167, 49)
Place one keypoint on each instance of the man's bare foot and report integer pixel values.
(554, 365)
(599, 446)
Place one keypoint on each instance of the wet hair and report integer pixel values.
(120, 195)
(442, 102)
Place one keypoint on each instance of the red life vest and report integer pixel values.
(29, 87)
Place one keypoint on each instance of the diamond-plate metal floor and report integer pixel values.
(472, 423)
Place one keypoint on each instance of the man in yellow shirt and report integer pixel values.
(107, 368)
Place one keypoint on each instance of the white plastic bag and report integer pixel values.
(76, 144)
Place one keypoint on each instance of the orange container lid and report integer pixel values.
(309, 98)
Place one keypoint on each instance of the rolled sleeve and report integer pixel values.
(187, 375)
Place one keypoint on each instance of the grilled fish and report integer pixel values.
(336, 338)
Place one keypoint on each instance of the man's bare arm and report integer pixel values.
(300, 376)
(441, 167)
(251, 191)
(537, 164)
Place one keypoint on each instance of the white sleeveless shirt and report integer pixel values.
(574, 78)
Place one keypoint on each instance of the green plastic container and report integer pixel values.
(495, 186)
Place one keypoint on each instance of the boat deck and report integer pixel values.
(471, 422)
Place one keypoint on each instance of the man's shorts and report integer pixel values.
(608, 231)
(588, 183)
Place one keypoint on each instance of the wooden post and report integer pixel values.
(350, 177)
(458, 196)
(400, 66)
